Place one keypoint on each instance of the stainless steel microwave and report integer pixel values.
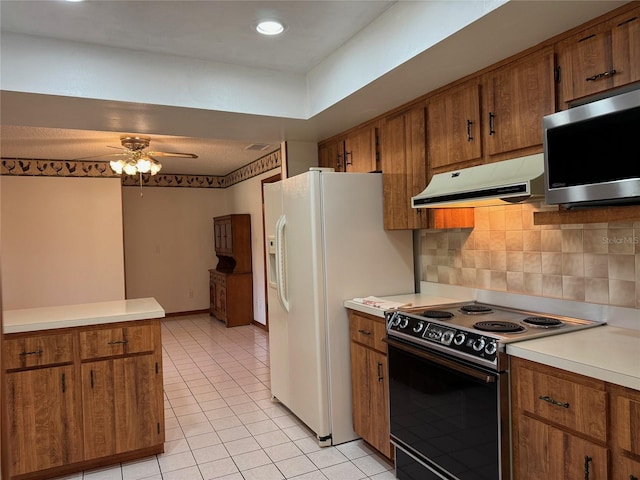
(592, 153)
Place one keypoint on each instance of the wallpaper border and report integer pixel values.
(71, 168)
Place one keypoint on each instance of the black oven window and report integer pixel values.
(449, 418)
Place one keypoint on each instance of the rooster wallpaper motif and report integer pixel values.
(63, 168)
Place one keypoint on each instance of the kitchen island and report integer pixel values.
(83, 386)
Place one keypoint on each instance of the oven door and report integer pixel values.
(449, 419)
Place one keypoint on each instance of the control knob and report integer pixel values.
(459, 338)
(447, 337)
(403, 322)
(491, 348)
(478, 344)
(419, 326)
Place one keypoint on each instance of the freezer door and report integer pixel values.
(278, 327)
(304, 292)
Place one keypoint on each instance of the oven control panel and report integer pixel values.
(424, 332)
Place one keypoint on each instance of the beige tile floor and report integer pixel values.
(221, 422)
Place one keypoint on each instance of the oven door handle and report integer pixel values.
(484, 377)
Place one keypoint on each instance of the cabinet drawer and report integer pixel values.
(219, 278)
(564, 400)
(37, 351)
(107, 342)
(367, 331)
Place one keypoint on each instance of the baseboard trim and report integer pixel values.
(182, 314)
(260, 325)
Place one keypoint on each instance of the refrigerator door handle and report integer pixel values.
(280, 263)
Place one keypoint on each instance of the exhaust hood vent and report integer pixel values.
(499, 183)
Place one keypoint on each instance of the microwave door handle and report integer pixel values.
(280, 263)
(483, 377)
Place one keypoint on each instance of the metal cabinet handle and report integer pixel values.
(91, 377)
(35, 352)
(587, 461)
(118, 342)
(380, 377)
(364, 332)
(633, 477)
(550, 400)
(469, 137)
(598, 76)
(492, 117)
(346, 158)
(64, 384)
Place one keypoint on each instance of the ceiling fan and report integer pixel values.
(135, 159)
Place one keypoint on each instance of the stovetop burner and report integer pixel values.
(439, 314)
(496, 326)
(476, 309)
(543, 322)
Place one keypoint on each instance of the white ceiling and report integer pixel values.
(67, 127)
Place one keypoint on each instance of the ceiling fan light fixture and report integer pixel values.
(117, 166)
(155, 167)
(270, 27)
(143, 165)
(130, 168)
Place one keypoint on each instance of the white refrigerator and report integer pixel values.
(325, 244)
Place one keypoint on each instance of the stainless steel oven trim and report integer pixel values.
(406, 452)
(478, 375)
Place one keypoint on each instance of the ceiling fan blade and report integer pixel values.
(172, 154)
(101, 156)
(119, 148)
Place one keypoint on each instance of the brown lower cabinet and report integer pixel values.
(369, 381)
(93, 401)
(231, 297)
(569, 426)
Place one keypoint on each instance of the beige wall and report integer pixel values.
(61, 241)
(246, 197)
(595, 263)
(168, 241)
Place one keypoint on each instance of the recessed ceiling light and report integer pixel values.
(270, 27)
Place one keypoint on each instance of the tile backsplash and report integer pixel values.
(505, 251)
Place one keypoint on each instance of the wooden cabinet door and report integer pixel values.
(453, 126)
(379, 419)
(586, 63)
(44, 422)
(625, 468)
(547, 453)
(518, 96)
(360, 150)
(122, 405)
(600, 58)
(331, 155)
(404, 169)
(370, 397)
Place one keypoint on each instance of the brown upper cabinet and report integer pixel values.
(600, 58)
(404, 168)
(492, 117)
(453, 125)
(355, 152)
(517, 96)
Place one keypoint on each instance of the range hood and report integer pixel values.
(500, 183)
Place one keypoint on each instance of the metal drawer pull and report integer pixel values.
(633, 477)
(601, 75)
(554, 402)
(587, 461)
(118, 342)
(380, 377)
(364, 332)
(469, 137)
(35, 352)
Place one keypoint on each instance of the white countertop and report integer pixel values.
(410, 299)
(607, 353)
(45, 318)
